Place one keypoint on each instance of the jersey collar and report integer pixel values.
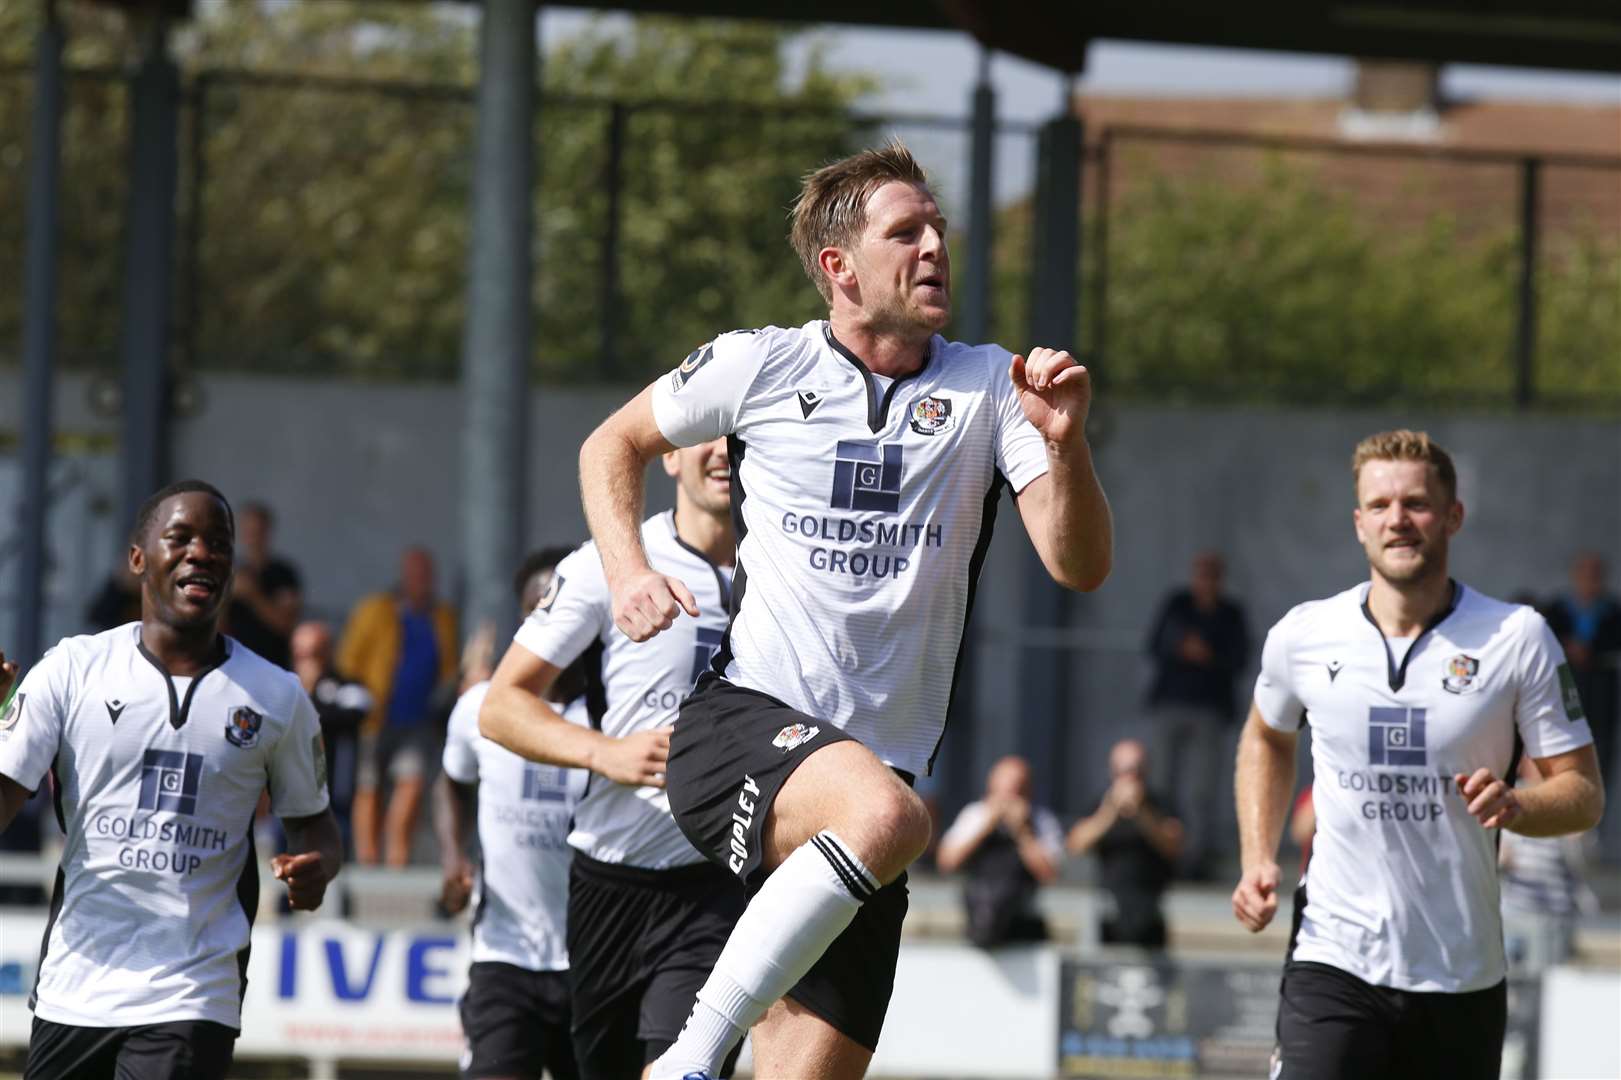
(180, 709)
(1397, 673)
(720, 577)
(877, 406)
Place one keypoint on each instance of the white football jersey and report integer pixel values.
(643, 684)
(521, 896)
(157, 779)
(865, 509)
(1402, 886)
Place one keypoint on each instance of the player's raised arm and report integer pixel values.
(613, 464)
(1065, 511)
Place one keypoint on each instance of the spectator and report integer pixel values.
(1137, 844)
(1200, 645)
(1587, 621)
(1544, 889)
(1009, 847)
(343, 705)
(267, 594)
(118, 602)
(402, 646)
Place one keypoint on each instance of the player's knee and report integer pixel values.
(902, 819)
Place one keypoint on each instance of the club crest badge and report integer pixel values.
(242, 727)
(794, 735)
(931, 416)
(549, 597)
(12, 714)
(689, 367)
(1460, 677)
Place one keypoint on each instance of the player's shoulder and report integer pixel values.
(81, 651)
(1514, 620)
(581, 567)
(985, 355)
(1327, 616)
(464, 714)
(277, 686)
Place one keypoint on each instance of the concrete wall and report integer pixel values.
(357, 471)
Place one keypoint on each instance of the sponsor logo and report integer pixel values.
(689, 367)
(115, 709)
(318, 752)
(1396, 737)
(1460, 676)
(242, 727)
(808, 400)
(13, 713)
(867, 476)
(1569, 694)
(931, 416)
(554, 585)
(544, 783)
(169, 781)
(742, 818)
(794, 735)
(703, 650)
(1333, 670)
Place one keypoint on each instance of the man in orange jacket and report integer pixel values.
(402, 645)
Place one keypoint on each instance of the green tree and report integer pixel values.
(331, 221)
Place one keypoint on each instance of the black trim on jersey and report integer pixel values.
(714, 567)
(982, 547)
(1398, 675)
(877, 408)
(57, 889)
(180, 710)
(247, 894)
(735, 449)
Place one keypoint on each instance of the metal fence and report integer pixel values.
(324, 231)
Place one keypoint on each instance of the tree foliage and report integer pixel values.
(331, 219)
(1286, 290)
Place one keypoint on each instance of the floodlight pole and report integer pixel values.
(39, 335)
(497, 340)
(149, 239)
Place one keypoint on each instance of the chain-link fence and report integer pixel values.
(324, 229)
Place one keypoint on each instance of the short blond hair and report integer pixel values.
(831, 209)
(1405, 445)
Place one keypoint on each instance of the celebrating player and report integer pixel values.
(1422, 694)
(160, 737)
(515, 1013)
(647, 915)
(868, 455)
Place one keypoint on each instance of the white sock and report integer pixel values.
(801, 908)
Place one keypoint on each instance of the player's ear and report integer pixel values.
(672, 463)
(837, 267)
(1454, 517)
(137, 560)
(1356, 522)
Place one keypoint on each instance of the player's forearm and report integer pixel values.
(1264, 781)
(449, 819)
(1570, 802)
(319, 833)
(612, 487)
(1079, 525)
(532, 729)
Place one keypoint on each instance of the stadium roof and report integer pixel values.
(1574, 35)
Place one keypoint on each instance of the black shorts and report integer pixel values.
(516, 1022)
(1334, 1026)
(731, 752)
(641, 943)
(179, 1050)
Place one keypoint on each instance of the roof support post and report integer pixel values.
(497, 340)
